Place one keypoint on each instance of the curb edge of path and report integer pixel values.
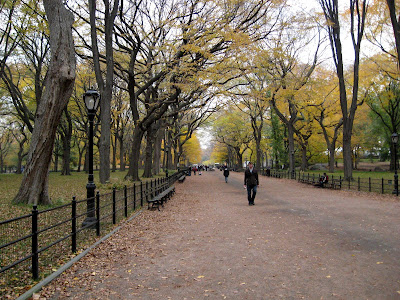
(69, 264)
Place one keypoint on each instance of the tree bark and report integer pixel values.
(157, 151)
(331, 12)
(121, 152)
(148, 162)
(59, 85)
(66, 142)
(105, 86)
(304, 161)
(133, 172)
(396, 27)
(114, 152)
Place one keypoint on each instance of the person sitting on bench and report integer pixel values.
(323, 180)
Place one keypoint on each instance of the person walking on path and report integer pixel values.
(226, 173)
(251, 183)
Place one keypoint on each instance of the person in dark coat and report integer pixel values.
(226, 173)
(251, 182)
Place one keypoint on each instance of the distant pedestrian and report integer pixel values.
(226, 173)
(251, 183)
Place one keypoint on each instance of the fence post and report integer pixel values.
(141, 194)
(35, 254)
(134, 196)
(113, 206)
(359, 186)
(383, 183)
(73, 233)
(369, 182)
(340, 181)
(126, 201)
(98, 213)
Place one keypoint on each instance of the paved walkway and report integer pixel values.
(297, 242)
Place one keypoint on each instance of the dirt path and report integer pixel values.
(297, 242)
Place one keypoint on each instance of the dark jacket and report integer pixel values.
(226, 172)
(251, 178)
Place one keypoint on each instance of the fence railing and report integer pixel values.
(35, 244)
(376, 185)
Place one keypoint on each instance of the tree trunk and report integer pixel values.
(66, 168)
(157, 152)
(332, 156)
(396, 27)
(291, 147)
(66, 141)
(133, 172)
(19, 162)
(80, 155)
(121, 153)
(148, 162)
(304, 161)
(347, 153)
(105, 87)
(56, 160)
(258, 154)
(114, 153)
(105, 138)
(59, 84)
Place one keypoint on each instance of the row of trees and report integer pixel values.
(290, 108)
(157, 64)
(164, 67)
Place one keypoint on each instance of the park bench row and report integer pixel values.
(161, 198)
(164, 196)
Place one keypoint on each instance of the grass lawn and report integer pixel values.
(61, 189)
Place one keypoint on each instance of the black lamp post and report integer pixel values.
(395, 139)
(91, 99)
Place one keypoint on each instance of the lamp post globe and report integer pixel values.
(91, 99)
(395, 140)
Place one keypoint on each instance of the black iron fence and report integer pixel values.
(377, 185)
(34, 245)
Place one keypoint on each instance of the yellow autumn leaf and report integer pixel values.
(201, 276)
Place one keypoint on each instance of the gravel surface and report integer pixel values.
(297, 242)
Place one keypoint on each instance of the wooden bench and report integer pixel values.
(182, 178)
(335, 184)
(161, 198)
(308, 180)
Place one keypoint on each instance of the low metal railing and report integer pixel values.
(33, 245)
(376, 185)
